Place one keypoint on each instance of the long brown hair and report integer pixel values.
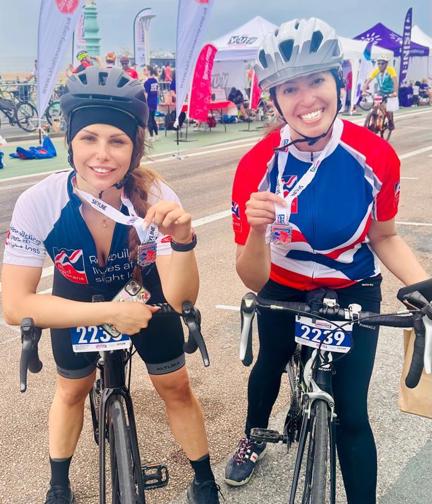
(137, 187)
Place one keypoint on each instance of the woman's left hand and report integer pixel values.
(171, 219)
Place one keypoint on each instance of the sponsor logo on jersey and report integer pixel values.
(70, 263)
(235, 210)
(288, 183)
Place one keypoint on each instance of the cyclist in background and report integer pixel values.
(110, 59)
(387, 83)
(84, 61)
(94, 252)
(124, 62)
(314, 206)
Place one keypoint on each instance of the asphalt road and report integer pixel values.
(203, 182)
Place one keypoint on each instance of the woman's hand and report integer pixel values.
(260, 210)
(130, 318)
(171, 219)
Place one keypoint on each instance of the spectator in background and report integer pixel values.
(146, 73)
(151, 87)
(84, 62)
(162, 74)
(168, 73)
(236, 96)
(416, 92)
(173, 87)
(124, 61)
(110, 59)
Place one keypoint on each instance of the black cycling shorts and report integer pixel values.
(160, 346)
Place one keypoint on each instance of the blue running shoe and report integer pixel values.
(241, 465)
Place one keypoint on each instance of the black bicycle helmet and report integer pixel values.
(108, 88)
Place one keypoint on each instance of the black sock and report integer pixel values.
(60, 471)
(203, 471)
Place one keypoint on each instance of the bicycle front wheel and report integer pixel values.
(27, 116)
(317, 476)
(122, 473)
(370, 121)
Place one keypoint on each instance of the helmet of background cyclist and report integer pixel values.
(103, 96)
(383, 57)
(295, 49)
(110, 57)
(124, 60)
(82, 55)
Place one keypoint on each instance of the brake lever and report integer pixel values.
(29, 361)
(247, 311)
(427, 320)
(192, 318)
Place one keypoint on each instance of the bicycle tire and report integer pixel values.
(318, 466)
(370, 121)
(54, 114)
(122, 476)
(386, 131)
(27, 116)
(365, 105)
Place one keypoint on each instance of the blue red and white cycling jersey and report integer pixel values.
(47, 220)
(357, 181)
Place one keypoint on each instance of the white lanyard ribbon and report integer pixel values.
(145, 233)
(283, 213)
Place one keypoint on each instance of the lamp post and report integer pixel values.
(142, 36)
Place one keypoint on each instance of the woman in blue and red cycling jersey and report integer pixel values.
(314, 205)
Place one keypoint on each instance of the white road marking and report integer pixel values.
(227, 307)
(400, 223)
(415, 152)
(409, 178)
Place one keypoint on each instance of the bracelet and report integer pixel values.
(184, 247)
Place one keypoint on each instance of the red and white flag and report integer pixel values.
(192, 20)
(57, 22)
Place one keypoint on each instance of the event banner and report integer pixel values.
(255, 92)
(57, 22)
(192, 19)
(79, 44)
(142, 37)
(406, 46)
(201, 84)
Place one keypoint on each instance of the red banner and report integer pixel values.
(255, 93)
(201, 84)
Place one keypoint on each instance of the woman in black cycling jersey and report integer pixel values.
(314, 206)
(78, 218)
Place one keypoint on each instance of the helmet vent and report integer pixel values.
(122, 82)
(317, 38)
(286, 49)
(82, 77)
(103, 76)
(262, 58)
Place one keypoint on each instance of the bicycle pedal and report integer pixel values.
(155, 476)
(265, 435)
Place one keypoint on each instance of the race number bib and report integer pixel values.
(322, 334)
(96, 339)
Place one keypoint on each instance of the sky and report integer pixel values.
(19, 20)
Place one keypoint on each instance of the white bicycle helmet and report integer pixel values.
(299, 47)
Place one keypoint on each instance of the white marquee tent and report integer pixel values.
(419, 37)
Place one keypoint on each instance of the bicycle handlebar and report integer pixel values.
(420, 319)
(30, 336)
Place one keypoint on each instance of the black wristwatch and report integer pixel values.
(184, 247)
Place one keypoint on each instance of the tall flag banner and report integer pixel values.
(79, 43)
(255, 92)
(201, 84)
(57, 22)
(192, 20)
(141, 30)
(406, 46)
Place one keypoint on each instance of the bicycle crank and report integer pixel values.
(155, 476)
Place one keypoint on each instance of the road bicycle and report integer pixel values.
(112, 408)
(323, 335)
(378, 119)
(22, 114)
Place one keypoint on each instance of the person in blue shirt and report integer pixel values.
(151, 86)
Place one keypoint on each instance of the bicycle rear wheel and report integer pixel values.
(27, 116)
(124, 489)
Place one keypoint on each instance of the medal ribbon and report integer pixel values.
(146, 233)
